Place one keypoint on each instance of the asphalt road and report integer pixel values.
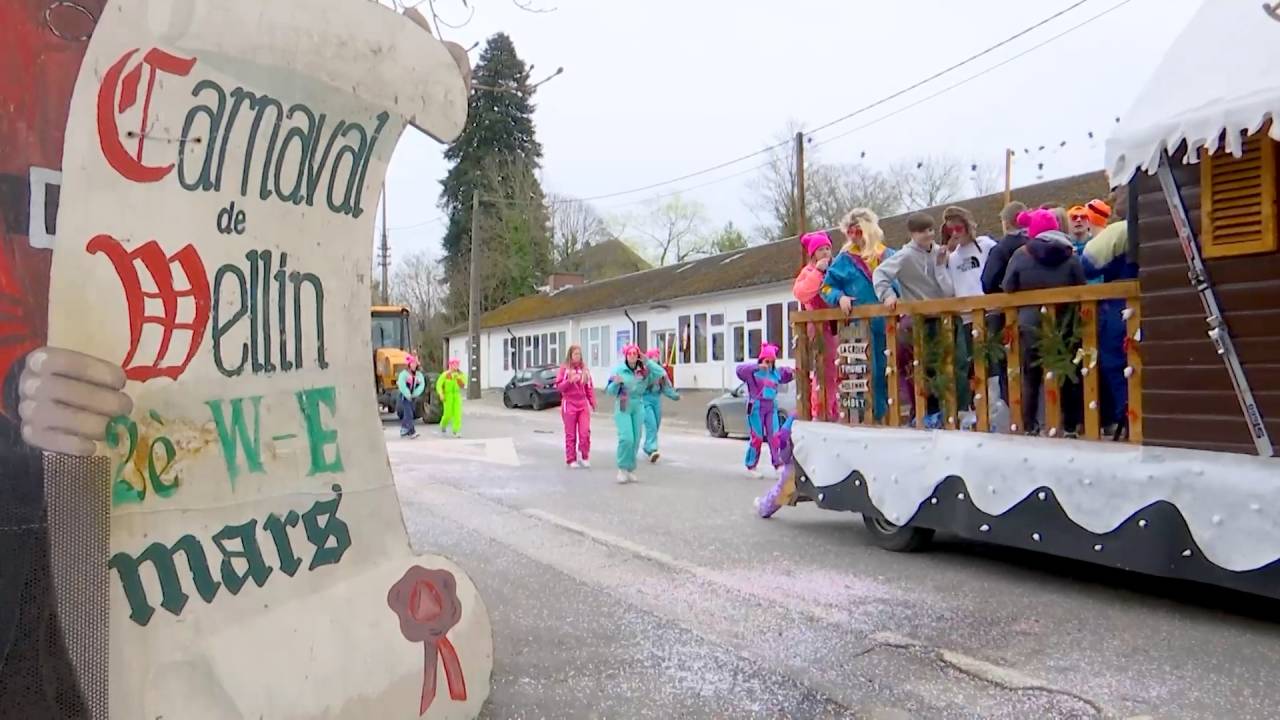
(671, 599)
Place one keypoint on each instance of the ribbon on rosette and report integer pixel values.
(426, 603)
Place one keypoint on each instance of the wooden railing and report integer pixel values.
(1066, 354)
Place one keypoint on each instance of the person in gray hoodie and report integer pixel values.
(916, 272)
(1047, 260)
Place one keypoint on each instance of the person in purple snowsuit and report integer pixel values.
(763, 378)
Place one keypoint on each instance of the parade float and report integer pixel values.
(199, 518)
(1191, 488)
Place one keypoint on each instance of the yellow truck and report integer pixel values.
(391, 346)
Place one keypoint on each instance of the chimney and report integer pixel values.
(561, 280)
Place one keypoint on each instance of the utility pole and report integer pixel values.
(384, 254)
(473, 311)
(799, 199)
(1008, 176)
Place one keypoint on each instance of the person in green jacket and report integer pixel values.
(412, 384)
(449, 389)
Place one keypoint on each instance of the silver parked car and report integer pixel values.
(727, 414)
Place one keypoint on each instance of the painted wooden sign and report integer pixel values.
(852, 370)
(221, 163)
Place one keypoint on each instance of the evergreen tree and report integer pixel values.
(497, 155)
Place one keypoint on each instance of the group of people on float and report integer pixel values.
(1046, 247)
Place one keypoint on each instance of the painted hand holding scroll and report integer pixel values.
(67, 398)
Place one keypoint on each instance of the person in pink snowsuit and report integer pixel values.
(577, 402)
(808, 291)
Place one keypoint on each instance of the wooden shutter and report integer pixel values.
(1238, 200)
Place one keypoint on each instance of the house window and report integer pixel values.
(583, 343)
(539, 349)
(519, 354)
(506, 354)
(604, 346)
(738, 344)
(1238, 200)
(594, 345)
(753, 315)
(529, 351)
(717, 346)
(642, 335)
(717, 320)
(753, 343)
(700, 337)
(774, 324)
(792, 307)
(686, 347)
(665, 341)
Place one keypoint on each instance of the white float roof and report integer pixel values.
(1221, 73)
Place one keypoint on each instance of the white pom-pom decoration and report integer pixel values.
(1084, 371)
(1093, 404)
(1043, 495)
(1128, 371)
(1186, 553)
(1097, 548)
(975, 332)
(1013, 428)
(1137, 336)
(960, 496)
(984, 528)
(1053, 432)
(1035, 536)
(1142, 523)
(1048, 375)
(1127, 313)
(977, 396)
(933, 501)
(1044, 309)
(915, 363)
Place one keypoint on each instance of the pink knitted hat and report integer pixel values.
(1037, 222)
(768, 352)
(654, 353)
(454, 363)
(630, 349)
(410, 360)
(813, 241)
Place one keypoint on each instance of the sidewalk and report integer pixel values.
(689, 413)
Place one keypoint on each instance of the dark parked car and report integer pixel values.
(727, 414)
(535, 388)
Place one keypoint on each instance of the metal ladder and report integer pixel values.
(1218, 331)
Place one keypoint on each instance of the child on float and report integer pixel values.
(627, 385)
(412, 384)
(449, 388)
(659, 386)
(577, 402)
(808, 292)
(763, 378)
(848, 283)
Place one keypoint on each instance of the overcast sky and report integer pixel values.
(656, 90)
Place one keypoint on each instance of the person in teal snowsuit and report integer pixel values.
(412, 384)
(659, 385)
(627, 385)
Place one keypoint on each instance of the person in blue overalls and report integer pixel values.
(763, 378)
(659, 385)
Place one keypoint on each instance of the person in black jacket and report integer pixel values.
(993, 278)
(1047, 260)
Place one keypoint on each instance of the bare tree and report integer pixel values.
(417, 283)
(928, 181)
(773, 191)
(575, 225)
(833, 190)
(673, 230)
(985, 179)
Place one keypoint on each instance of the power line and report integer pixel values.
(973, 77)
(855, 113)
(956, 66)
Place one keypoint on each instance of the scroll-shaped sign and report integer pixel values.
(854, 385)
(859, 369)
(222, 162)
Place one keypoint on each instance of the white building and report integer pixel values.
(706, 315)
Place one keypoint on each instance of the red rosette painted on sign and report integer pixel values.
(426, 602)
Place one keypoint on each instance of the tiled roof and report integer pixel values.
(760, 265)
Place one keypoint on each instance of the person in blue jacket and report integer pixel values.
(659, 386)
(412, 384)
(1107, 257)
(627, 386)
(848, 283)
